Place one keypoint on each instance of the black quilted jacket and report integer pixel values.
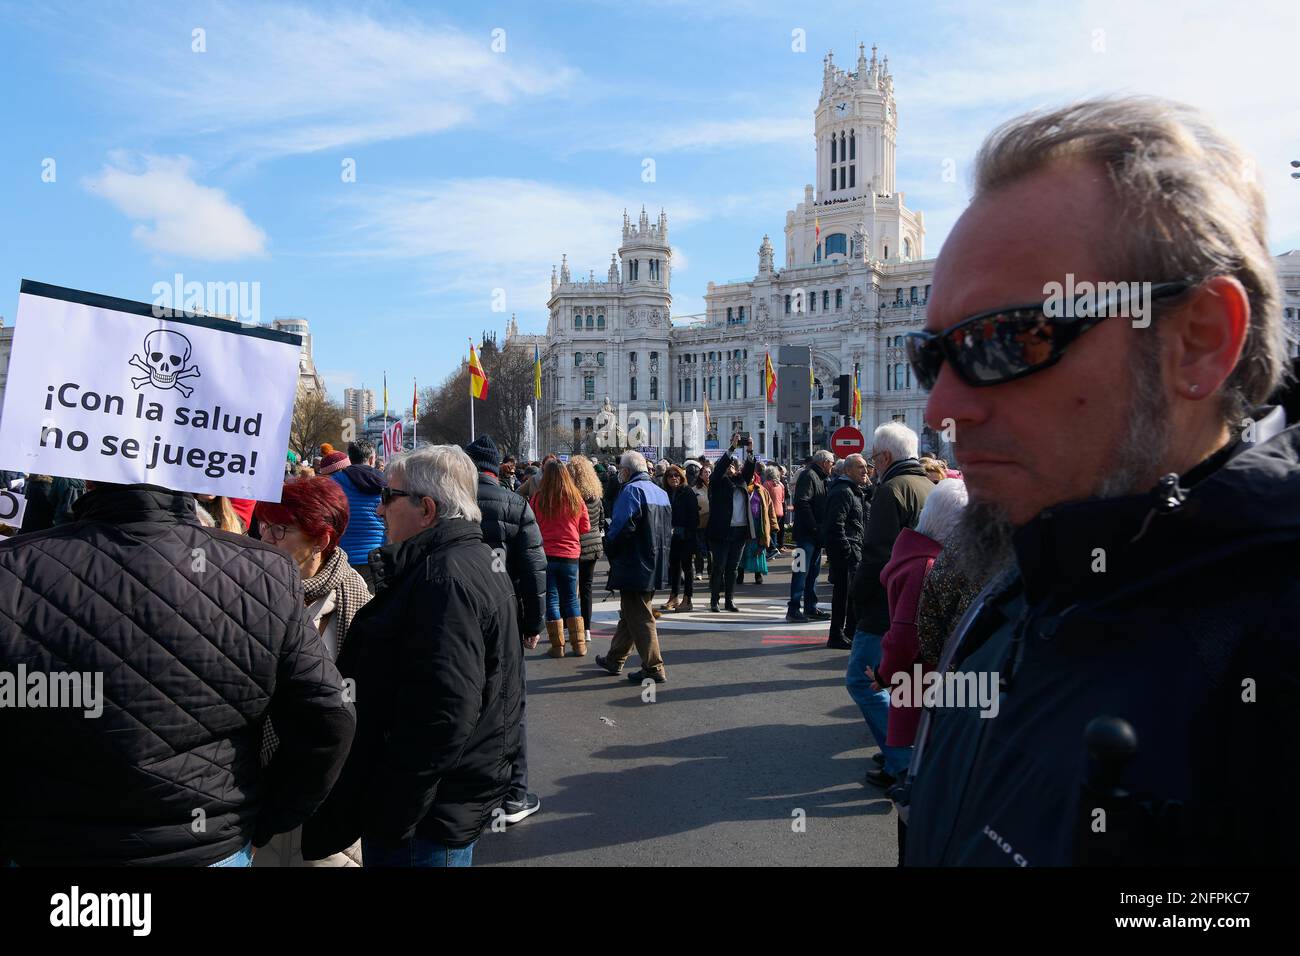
(508, 522)
(198, 636)
(437, 664)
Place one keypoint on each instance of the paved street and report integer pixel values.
(753, 724)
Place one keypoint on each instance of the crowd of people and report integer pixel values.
(339, 678)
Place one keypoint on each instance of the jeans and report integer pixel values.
(416, 851)
(519, 772)
(874, 704)
(726, 560)
(586, 573)
(562, 589)
(804, 583)
(242, 858)
(842, 616)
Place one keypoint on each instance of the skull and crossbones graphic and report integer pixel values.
(167, 360)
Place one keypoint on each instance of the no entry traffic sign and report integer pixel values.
(847, 441)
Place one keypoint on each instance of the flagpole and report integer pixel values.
(385, 413)
(767, 390)
(415, 405)
(471, 391)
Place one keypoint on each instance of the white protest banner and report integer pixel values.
(393, 439)
(106, 389)
(12, 506)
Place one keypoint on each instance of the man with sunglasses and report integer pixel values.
(1140, 509)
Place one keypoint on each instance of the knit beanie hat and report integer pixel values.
(332, 462)
(483, 452)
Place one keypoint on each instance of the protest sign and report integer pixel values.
(12, 506)
(393, 439)
(105, 389)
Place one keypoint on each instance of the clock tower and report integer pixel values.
(857, 130)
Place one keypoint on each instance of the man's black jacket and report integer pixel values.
(508, 522)
(198, 636)
(1183, 621)
(809, 505)
(435, 659)
(847, 511)
(722, 494)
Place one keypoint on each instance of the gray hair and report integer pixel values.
(822, 456)
(897, 439)
(943, 509)
(361, 451)
(837, 469)
(1192, 208)
(633, 461)
(772, 473)
(444, 473)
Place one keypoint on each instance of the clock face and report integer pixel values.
(843, 107)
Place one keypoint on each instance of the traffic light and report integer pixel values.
(844, 395)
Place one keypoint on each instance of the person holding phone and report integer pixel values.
(728, 528)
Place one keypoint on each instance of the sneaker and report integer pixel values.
(816, 615)
(796, 617)
(516, 810)
(603, 663)
(638, 676)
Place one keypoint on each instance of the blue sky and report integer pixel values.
(476, 169)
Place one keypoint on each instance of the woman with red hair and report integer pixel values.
(307, 524)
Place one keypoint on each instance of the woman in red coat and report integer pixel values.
(913, 556)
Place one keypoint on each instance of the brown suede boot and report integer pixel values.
(577, 636)
(555, 631)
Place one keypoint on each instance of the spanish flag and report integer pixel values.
(771, 380)
(537, 373)
(817, 226)
(857, 401)
(708, 422)
(478, 382)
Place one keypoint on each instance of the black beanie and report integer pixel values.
(484, 453)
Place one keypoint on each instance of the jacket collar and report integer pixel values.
(904, 466)
(1244, 493)
(393, 561)
(126, 504)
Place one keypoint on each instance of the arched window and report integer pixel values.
(837, 242)
(817, 256)
(577, 359)
(834, 158)
(907, 248)
(787, 305)
(591, 322)
(600, 322)
(632, 389)
(654, 387)
(577, 427)
(913, 293)
(886, 255)
(600, 359)
(853, 145)
(591, 425)
(898, 376)
(577, 321)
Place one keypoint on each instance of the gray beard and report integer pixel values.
(980, 544)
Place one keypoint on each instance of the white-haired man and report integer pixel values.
(896, 504)
(1143, 506)
(637, 543)
(436, 658)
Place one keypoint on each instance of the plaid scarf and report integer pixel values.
(350, 592)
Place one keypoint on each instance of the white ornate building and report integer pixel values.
(855, 279)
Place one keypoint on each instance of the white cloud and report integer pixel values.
(181, 217)
(284, 79)
(1229, 62)
(715, 135)
(474, 236)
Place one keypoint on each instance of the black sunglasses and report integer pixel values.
(386, 495)
(1003, 345)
